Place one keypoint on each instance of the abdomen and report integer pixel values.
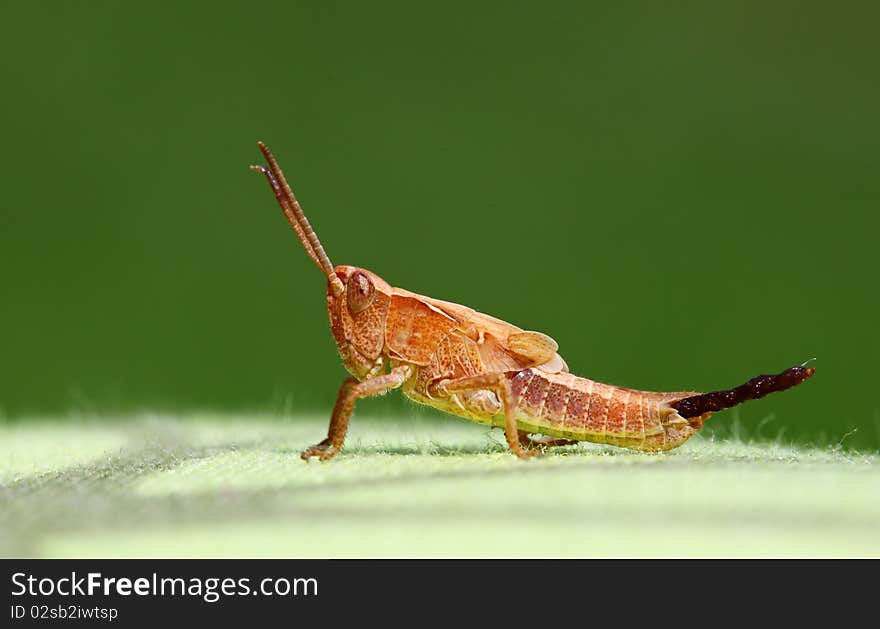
(567, 406)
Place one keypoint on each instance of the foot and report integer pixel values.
(551, 442)
(526, 452)
(324, 451)
(531, 442)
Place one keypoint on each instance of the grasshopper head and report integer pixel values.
(357, 318)
(357, 300)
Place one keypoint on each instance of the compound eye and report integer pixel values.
(360, 292)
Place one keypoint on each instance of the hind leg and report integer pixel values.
(531, 442)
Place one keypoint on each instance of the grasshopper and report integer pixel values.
(470, 364)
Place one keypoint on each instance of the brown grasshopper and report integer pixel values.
(478, 367)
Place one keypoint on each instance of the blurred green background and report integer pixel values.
(683, 197)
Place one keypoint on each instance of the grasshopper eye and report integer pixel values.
(360, 292)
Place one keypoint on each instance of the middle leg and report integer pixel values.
(499, 383)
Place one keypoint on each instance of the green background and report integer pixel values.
(683, 197)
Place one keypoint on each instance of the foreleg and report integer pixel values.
(350, 391)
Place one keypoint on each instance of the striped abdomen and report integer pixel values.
(567, 406)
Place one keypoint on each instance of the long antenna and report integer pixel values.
(297, 218)
(285, 207)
